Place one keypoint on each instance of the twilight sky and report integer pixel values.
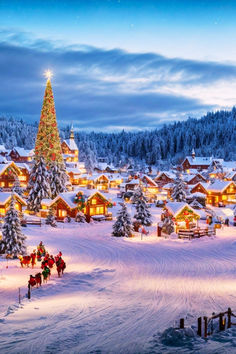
(132, 64)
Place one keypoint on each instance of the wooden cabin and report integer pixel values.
(8, 174)
(164, 178)
(149, 187)
(24, 174)
(18, 154)
(69, 203)
(221, 192)
(199, 187)
(5, 200)
(194, 179)
(102, 182)
(183, 215)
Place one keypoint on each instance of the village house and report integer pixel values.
(194, 179)
(5, 200)
(149, 187)
(8, 175)
(70, 149)
(196, 162)
(165, 177)
(18, 154)
(3, 151)
(221, 192)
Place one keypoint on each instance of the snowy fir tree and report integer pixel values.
(88, 155)
(168, 225)
(57, 179)
(51, 220)
(80, 217)
(39, 187)
(143, 215)
(138, 193)
(179, 192)
(17, 187)
(13, 240)
(122, 226)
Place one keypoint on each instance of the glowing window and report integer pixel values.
(93, 201)
(62, 213)
(2, 211)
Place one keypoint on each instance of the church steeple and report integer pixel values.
(72, 136)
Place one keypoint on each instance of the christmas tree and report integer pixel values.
(38, 185)
(168, 225)
(13, 242)
(122, 226)
(143, 215)
(179, 191)
(50, 220)
(48, 143)
(57, 179)
(17, 187)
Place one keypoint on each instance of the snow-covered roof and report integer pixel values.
(2, 148)
(219, 186)
(189, 177)
(168, 186)
(175, 208)
(23, 152)
(74, 170)
(198, 195)
(230, 174)
(3, 159)
(198, 160)
(71, 144)
(4, 166)
(168, 174)
(5, 196)
(133, 181)
(90, 193)
(150, 180)
(22, 165)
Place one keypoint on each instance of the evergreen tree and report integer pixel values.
(13, 242)
(51, 220)
(168, 225)
(179, 193)
(48, 143)
(17, 187)
(38, 185)
(122, 226)
(143, 215)
(57, 179)
(80, 217)
(138, 193)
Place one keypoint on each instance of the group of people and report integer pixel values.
(47, 263)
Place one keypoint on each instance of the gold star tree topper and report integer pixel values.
(48, 74)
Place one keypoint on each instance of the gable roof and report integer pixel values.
(22, 152)
(198, 160)
(6, 196)
(71, 144)
(150, 180)
(4, 166)
(175, 208)
(219, 186)
(168, 174)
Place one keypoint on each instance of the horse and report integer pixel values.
(61, 266)
(35, 280)
(25, 260)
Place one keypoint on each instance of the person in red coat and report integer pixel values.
(33, 258)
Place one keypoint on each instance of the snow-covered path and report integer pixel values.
(116, 293)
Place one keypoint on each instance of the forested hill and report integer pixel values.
(213, 134)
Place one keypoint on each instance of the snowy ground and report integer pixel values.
(118, 295)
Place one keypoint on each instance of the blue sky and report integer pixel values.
(118, 64)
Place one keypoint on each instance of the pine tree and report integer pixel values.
(13, 242)
(38, 185)
(122, 226)
(168, 225)
(57, 179)
(179, 194)
(80, 217)
(17, 187)
(51, 220)
(138, 193)
(143, 215)
(48, 143)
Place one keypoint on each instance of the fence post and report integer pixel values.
(29, 293)
(199, 326)
(19, 296)
(205, 326)
(229, 317)
(181, 323)
(221, 324)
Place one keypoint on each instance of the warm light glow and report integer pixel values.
(48, 74)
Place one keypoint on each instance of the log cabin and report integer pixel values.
(5, 200)
(194, 179)
(221, 192)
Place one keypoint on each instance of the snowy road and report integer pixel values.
(116, 294)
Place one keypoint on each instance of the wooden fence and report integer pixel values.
(205, 325)
(196, 233)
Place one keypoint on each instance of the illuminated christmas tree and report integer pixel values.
(48, 145)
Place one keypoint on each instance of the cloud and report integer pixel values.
(105, 89)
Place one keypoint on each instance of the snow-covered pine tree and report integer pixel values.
(39, 187)
(80, 217)
(57, 179)
(168, 225)
(122, 226)
(138, 193)
(143, 215)
(17, 187)
(179, 193)
(13, 242)
(51, 220)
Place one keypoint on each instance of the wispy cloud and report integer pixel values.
(107, 89)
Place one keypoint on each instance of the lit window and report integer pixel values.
(224, 197)
(62, 213)
(2, 184)
(22, 178)
(93, 201)
(17, 206)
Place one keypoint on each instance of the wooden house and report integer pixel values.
(194, 179)
(102, 182)
(18, 154)
(24, 174)
(8, 174)
(150, 187)
(132, 185)
(199, 187)
(3, 151)
(69, 203)
(230, 176)
(164, 178)
(221, 192)
(5, 200)
(183, 215)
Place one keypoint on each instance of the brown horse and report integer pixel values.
(25, 261)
